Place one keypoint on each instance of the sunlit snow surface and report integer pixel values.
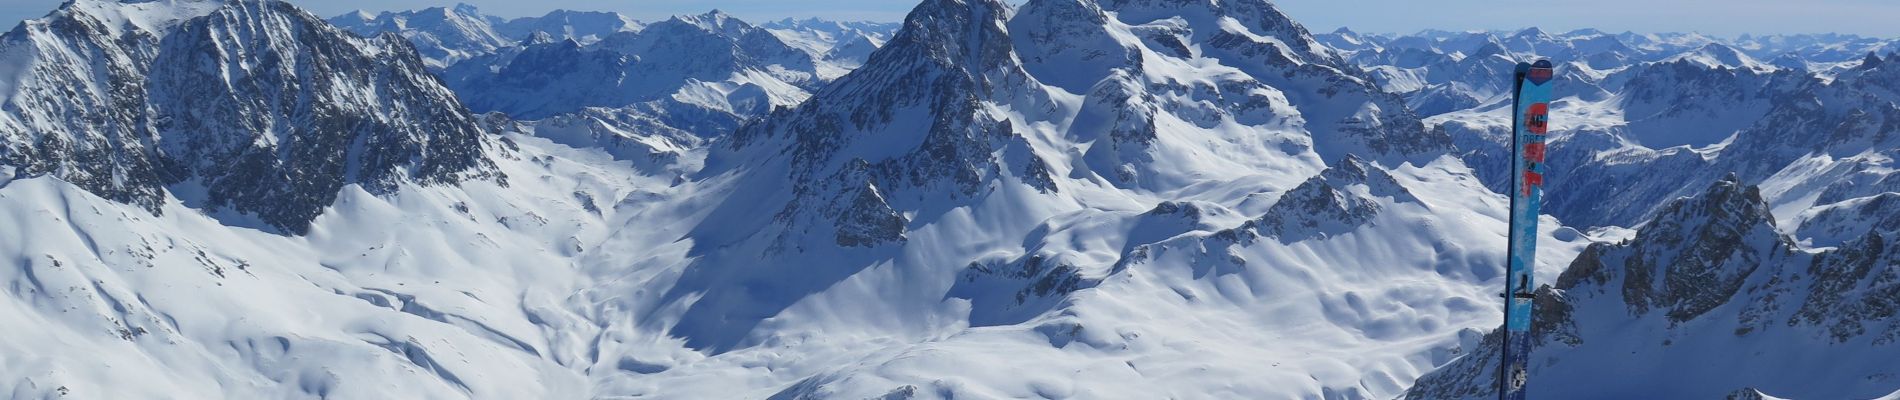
(530, 294)
(1260, 246)
(567, 281)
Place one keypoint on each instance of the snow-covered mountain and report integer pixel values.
(609, 79)
(844, 44)
(683, 79)
(1643, 118)
(449, 35)
(1816, 49)
(251, 107)
(1052, 199)
(1432, 68)
(883, 200)
(1643, 122)
(443, 35)
(1697, 300)
(584, 27)
(709, 65)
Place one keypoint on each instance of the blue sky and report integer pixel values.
(1717, 17)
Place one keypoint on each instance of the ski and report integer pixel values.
(1531, 120)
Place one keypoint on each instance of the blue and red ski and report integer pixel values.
(1531, 116)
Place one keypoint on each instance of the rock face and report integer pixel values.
(948, 61)
(254, 106)
(864, 218)
(1709, 276)
(1694, 256)
(1338, 200)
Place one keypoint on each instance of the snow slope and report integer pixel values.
(1057, 199)
(428, 292)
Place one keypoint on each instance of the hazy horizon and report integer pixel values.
(1727, 19)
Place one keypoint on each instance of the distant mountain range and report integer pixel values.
(1053, 199)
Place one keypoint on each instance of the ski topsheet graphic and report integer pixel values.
(1532, 116)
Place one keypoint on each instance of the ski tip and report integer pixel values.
(1523, 67)
(1539, 73)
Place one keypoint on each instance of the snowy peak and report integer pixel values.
(1790, 61)
(443, 35)
(466, 9)
(1489, 49)
(854, 52)
(122, 17)
(538, 38)
(1585, 33)
(928, 89)
(1873, 75)
(368, 112)
(948, 49)
(449, 35)
(955, 33)
(1343, 112)
(1537, 42)
(850, 174)
(710, 68)
(832, 32)
(1709, 277)
(1346, 40)
(1714, 55)
(717, 21)
(1718, 100)
(1694, 255)
(58, 115)
(1726, 202)
(1255, 17)
(1669, 42)
(841, 45)
(1069, 43)
(714, 37)
(585, 27)
(1532, 33)
(1871, 61)
(373, 115)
